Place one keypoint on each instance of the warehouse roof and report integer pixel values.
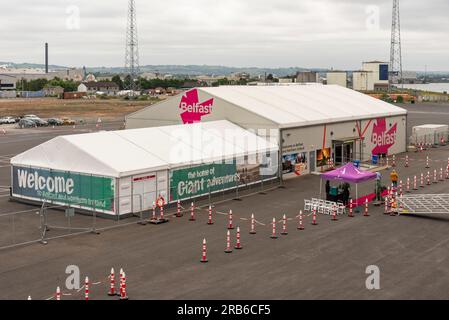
(304, 105)
(128, 152)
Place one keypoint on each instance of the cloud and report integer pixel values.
(309, 33)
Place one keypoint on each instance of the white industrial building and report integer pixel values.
(123, 172)
(312, 123)
(374, 76)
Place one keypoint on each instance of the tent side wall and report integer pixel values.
(64, 188)
(308, 148)
(207, 179)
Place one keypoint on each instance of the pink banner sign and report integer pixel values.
(191, 109)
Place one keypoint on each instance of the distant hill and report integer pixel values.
(192, 70)
(188, 70)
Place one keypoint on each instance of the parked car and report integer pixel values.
(68, 122)
(38, 121)
(26, 123)
(55, 122)
(7, 120)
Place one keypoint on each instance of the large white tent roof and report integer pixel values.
(130, 152)
(298, 105)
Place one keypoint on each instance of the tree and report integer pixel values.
(116, 79)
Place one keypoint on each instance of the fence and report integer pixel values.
(434, 138)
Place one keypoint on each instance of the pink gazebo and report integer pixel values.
(350, 174)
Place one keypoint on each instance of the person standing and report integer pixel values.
(394, 178)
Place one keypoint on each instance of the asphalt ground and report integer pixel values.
(327, 261)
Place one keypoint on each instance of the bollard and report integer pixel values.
(300, 225)
(228, 242)
(428, 178)
(415, 183)
(253, 225)
(192, 212)
(209, 220)
(238, 244)
(427, 162)
(441, 174)
(204, 254)
(230, 223)
(422, 181)
(435, 179)
(408, 185)
(406, 161)
(273, 233)
(447, 173)
(400, 187)
(284, 226)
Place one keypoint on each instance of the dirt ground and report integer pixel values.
(52, 107)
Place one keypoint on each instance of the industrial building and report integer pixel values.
(312, 123)
(7, 82)
(374, 76)
(124, 172)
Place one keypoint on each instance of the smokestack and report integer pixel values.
(46, 57)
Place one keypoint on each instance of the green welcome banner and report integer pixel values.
(200, 180)
(64, 187)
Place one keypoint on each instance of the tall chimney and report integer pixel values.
(46, 57)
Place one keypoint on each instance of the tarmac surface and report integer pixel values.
(327, 261)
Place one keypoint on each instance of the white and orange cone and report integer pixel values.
(209, 220)
(273, 230)
(314, 222)
(366, 214)
(230, 222)
(351, 208)
(86, 289)
(124, 295)
(284, 226)
(204, 252)
(238, 244)
(415, 183)
(406, 161)
(192, 212)
(408, 185)
(334, 214)
(112, 283)
(253, 225)
(178, 209)
(58, 294)
(228, 248)
(300, 225)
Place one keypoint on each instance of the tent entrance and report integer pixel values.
(343, 151)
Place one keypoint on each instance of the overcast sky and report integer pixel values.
(263, 33)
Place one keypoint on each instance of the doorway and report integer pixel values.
(343, 152)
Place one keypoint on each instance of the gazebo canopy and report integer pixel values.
(349, 173)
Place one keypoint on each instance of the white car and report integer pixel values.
(7, 120)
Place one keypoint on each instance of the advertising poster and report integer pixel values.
(322, 157)
(63, 187)
(294, 164)
(200, 180)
